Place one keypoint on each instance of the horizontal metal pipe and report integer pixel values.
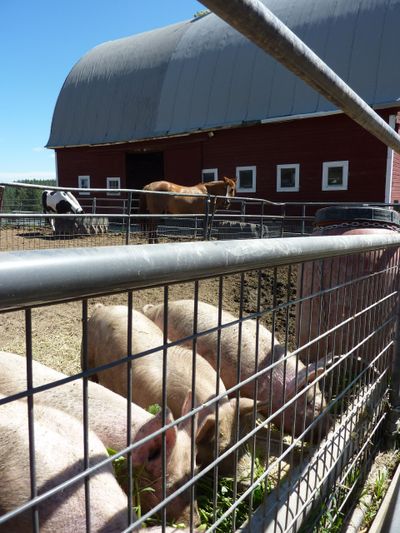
(240, 199)
(254, 20)
(47, 276)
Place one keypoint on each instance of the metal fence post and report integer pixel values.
(128, 221)
(207, 217)
(243, 211)
(283, 216)
(262, 221)
(303, 221)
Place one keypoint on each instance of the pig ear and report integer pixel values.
(206, 430)
(187, 404)
(186, 408)
(150, 452)
(315, 370)
(304, 376)
(246, 406)
(147, 308)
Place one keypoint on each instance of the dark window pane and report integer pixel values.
(246, 179)
(288, 177)
(335, 176)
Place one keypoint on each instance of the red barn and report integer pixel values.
(196, 101)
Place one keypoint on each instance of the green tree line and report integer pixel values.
(24, 199)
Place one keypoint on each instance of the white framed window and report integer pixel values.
(84, 183)
(335, 175)
(288, 178)
(246, 179)
(209, 174)
(113, 183)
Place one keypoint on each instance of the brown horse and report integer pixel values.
(176, 205)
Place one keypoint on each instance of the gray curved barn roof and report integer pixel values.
(202, 74)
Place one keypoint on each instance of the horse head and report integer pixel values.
(225, 187)
(230, 184)
(230, 190)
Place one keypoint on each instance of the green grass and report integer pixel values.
(204, 487)
(121, 473)
(154, 408)
(225, 499)
(204, 490)
(376, 491)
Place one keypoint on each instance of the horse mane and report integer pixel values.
(225, 182)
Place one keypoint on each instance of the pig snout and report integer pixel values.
(147, 457)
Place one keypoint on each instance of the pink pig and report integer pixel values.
(58, 457)
(107, 341)
(284, 380)
(108, 419)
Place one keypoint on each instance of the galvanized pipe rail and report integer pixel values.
(134, 191)
(47, 276)
(254, 20)
(50, 276)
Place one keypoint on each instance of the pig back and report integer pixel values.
(58, 457)
(107, 410)
(108, 341)
(237, 343)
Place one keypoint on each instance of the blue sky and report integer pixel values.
(40, 41)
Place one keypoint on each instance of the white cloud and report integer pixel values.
(39, 149)
(7, 177)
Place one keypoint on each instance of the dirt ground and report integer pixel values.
(56, 329)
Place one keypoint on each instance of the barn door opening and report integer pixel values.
(144, 168)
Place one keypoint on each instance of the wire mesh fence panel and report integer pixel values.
(194, 383)
(91, 217)
(31, 232)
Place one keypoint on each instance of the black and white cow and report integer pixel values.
(60, 202)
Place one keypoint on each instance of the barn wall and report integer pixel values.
(396, 178)
(98, 163)
(308, 142)
(396, 170)
(183, 163)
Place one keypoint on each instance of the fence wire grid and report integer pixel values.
(116, 220)
(239, 385)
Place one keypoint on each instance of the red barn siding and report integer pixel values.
(308, 142)
(183, 163)
(396, 178)
(396, 170)
(98, 163)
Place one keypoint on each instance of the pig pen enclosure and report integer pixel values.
(273, 465)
